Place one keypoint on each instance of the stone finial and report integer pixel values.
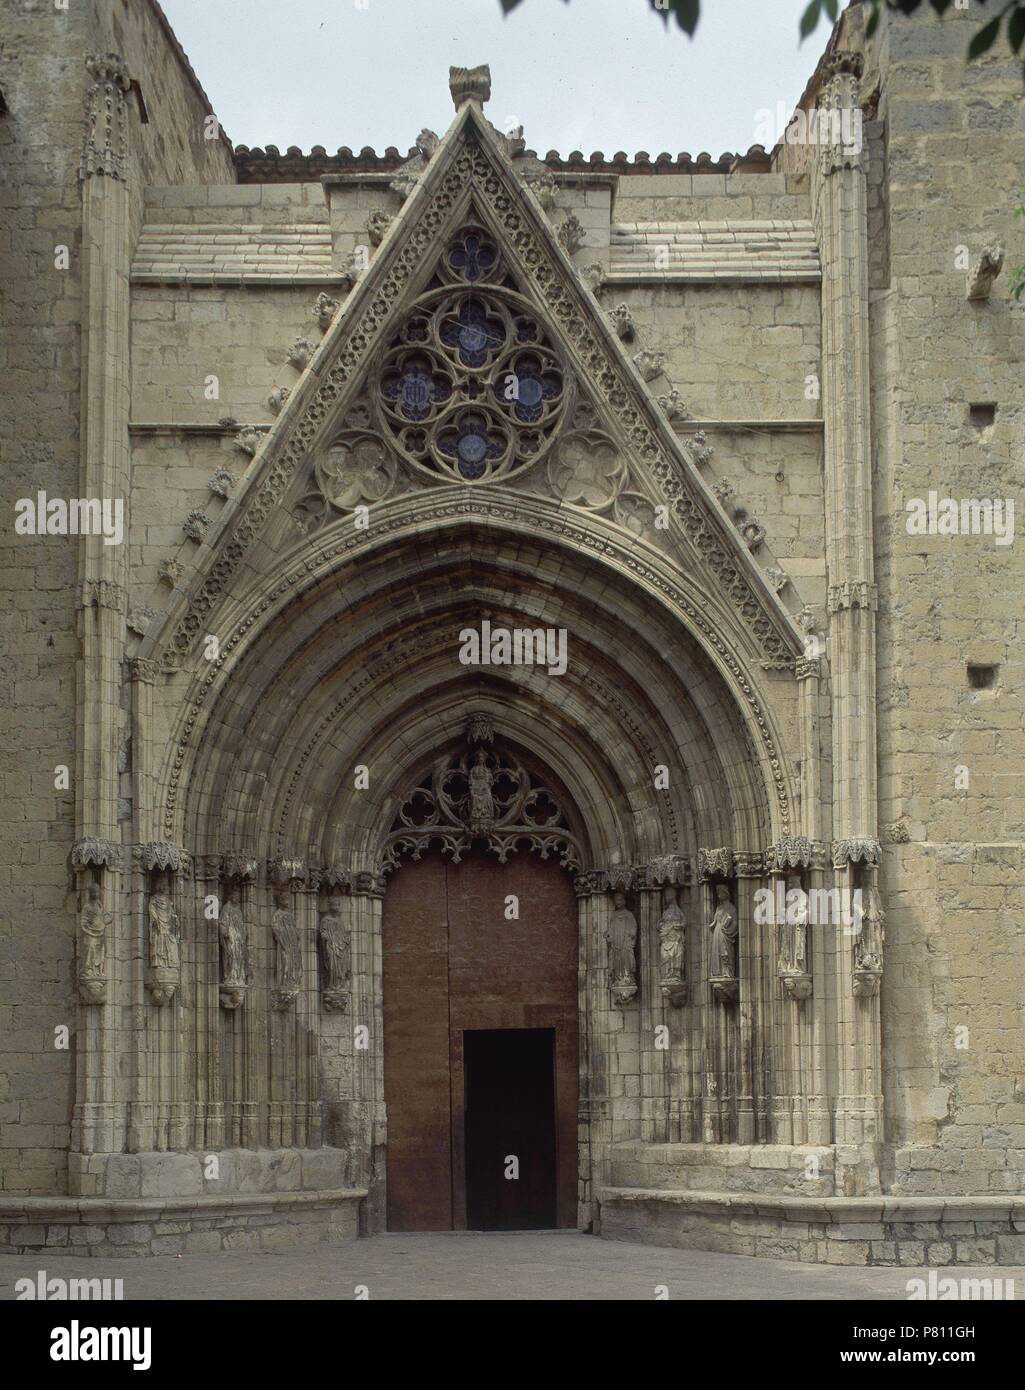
(170, 571)
(299, 354)
(276, 400)
(377, 226)
(979, 280)
(195, 525)
(248, 440)
(427, 142)
(649, 364)
(470, 84)
(593, 276)
(623, 322)
(544, 189)
(324, 310)
(222, 481)
(673, 406)
(571, 235)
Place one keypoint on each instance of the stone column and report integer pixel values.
(667, 1100)
(367, 1121)
(286, 880)
(840, 210)
(726, 1062)
(162, 1108)
(99, 1122)
(757, 1012)
(594, 1108)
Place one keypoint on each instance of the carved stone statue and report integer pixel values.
(335, 945)
(868, 946)
(792, 941)
(164, 945)
(92, 963)
(792, 931)
(288, 965)
(622, 942)
(725, 931)
(671, 936)
(482, 803)
(234, 950)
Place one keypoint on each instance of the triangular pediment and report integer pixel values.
(470, 355)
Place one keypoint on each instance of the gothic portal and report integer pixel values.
(506, 745)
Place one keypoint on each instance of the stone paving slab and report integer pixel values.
(556, 1265)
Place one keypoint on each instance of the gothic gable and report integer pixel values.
(471, 356)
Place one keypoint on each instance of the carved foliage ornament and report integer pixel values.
(483, 795)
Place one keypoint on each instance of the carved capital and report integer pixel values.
(92, 852)
(856, 849)
(748, 863)
(102, 593)
(838, 115)
(240, 867)
(662, 870)
(806, 667)
(715, 863)
(332, 877)
(852, 594)
(142, 670)
(162, 856)
(368, 885)
(106, 118)
(793, 852)
(591, 883)
(286, 872)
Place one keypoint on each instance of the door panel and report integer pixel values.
(455, 963)
(510, 1129)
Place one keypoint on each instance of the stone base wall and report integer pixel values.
(830, 1230)
(805, 1171)
(197, 1174)
(200, 1225)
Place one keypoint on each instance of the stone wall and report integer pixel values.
(952, 784)
(44, 79)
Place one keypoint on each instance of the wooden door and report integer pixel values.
(457, 963)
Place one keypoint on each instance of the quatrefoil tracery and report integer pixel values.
(470, 386)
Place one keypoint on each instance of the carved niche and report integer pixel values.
(482, 794)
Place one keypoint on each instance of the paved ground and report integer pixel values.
(471, 1265)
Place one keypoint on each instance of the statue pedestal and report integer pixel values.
(796, 984)
(725, 989)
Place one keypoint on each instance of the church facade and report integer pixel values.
(532, 647)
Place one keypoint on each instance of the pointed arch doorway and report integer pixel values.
(481, 1044)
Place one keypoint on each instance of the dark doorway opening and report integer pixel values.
(510, 1129)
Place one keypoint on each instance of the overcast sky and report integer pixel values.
(587, 74)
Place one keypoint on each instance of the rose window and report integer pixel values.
(471, 387)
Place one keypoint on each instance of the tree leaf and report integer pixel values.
(508, 5)
(1016, 28)
(687, 14)
(810, 18)
(832, 9)
(985, 38)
